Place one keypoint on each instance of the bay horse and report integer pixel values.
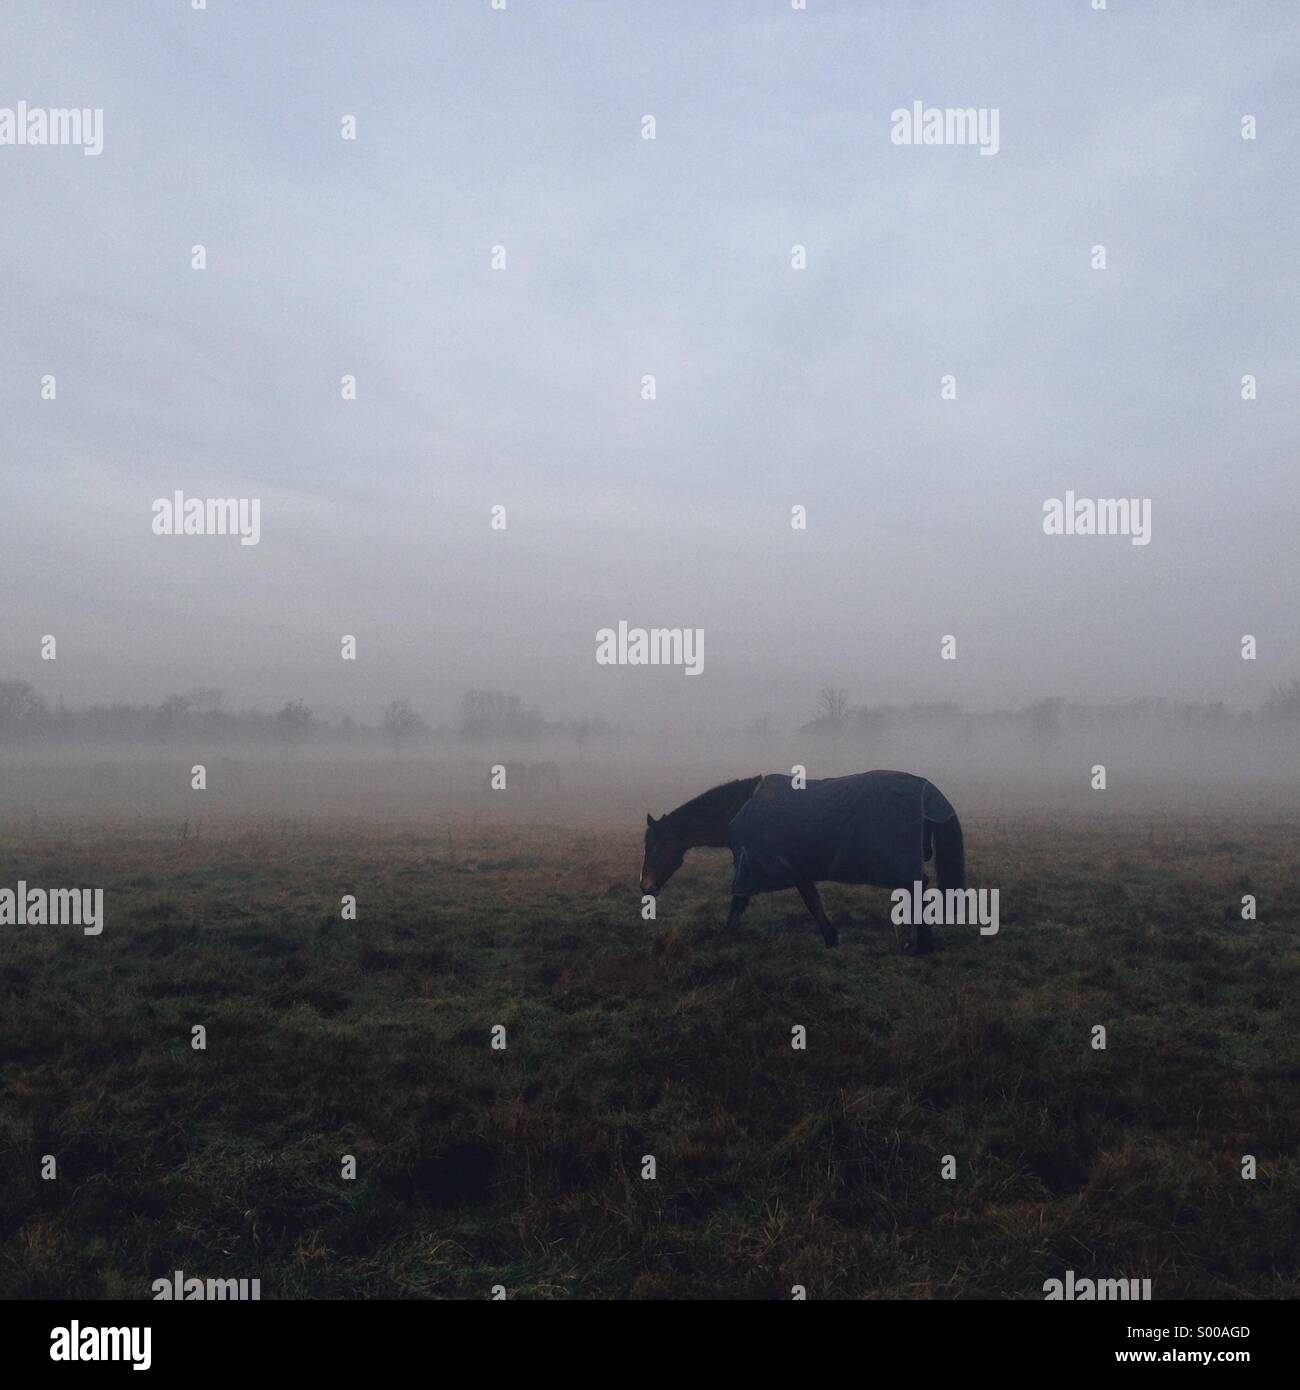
(875, 828)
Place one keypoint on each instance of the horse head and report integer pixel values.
(664, 853)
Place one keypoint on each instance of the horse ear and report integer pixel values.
(649, 819)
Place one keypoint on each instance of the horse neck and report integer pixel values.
(707, 836)
(710, 827)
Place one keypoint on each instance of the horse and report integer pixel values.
(875, 828)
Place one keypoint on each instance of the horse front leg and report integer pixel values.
(812, 900)
(738, 906)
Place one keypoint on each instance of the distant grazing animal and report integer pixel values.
(874, 828)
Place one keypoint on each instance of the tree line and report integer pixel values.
(27, 717)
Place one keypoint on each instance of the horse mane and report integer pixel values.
(707, 813)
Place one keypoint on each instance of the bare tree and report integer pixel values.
(401, 724)
(832, 704)
(1043, 719)
(497, 714)
(1283, 704)
(206, 698)
(294, 722)
(21, 708)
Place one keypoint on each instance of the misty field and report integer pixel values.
(522, 1167)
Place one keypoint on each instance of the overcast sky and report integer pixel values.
(625, 257)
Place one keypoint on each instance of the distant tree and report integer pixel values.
(62, 721)
(21, 709)
(293, 723)
(206, 698)
(874, 722)
(1043, 721)
(1282, 705)
(401, 724)
(497, 714)
(932, 712)
(581, 730)
(168, 718)
(832, 703)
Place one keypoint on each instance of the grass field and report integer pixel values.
(522, 1167)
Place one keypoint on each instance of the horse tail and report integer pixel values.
(949, 853)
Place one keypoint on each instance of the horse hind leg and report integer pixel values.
(921, 940)
(812, 900)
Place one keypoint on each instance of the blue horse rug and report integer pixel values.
(868, 828)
